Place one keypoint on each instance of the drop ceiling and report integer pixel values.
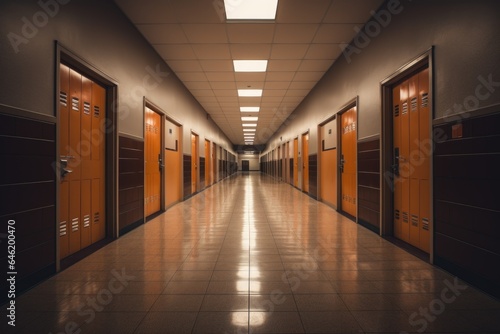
(194, 39)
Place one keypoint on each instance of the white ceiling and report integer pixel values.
(198, 44)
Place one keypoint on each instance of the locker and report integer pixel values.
(82, 164)
(411, 137)
(348, 162)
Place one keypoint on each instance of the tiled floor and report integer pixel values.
(253, 255)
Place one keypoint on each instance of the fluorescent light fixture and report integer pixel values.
(249, 119)
(250, 65)
(249, 92)
(249, 130)
(249, 109)
(249, 136)
(251, 9)
(249, 125)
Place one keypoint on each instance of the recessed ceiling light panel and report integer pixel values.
(250, 65)
(249, 119)
(251, 9)
(249, 92)
(249, 109)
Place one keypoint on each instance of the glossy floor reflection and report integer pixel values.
(253, 255)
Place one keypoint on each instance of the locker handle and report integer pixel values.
(342, 163)
(397, 159)
(65, 171)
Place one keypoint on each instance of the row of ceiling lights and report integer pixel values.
(250, 10)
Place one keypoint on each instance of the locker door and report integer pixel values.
(348, 162)
(411, 137)
(153, 162)
(173, 192)
(82, 164)
(305, 162)
(296, 162)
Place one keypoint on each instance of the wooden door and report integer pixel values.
(348, 161)
(82, 143)
(173, 160)
(194, 163)
(296, 162)
(305, 162)
(411, 138)
(208, 163)
(153, 162)
(328, 165)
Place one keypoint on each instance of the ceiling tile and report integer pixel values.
(195, 11)
(185, 65)
(308, 76)
(276, 84)
(295, 33)
(280, 76)
(157, 11)
(223, 85)
(248, 77)
(274, 92)
(289, 51)
(175, 51)
(272, 99)
(335, 33)
(250, 84)
(250, 33)
(226, 92)
(319, 65)
(349, 11)
(202, 92)
(163, 33)
(300, 11)
(204, 99)
(297, 92)
(220, 76)
(323, 51)
(192, 76)
(197, 85)
(205, 33)
(212, 51)
(216, 65)
(250, 51)
(283, 65)
(302, 84)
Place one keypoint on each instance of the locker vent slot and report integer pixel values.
(414, 220)
(75, 104)
(97, 111)
(86, 108)
(396, 110)
(405, 217)
(74, 225)
(425, 224)
(425, 100)
(405, 107)
(86, 221)
(62, 228)
(63, 98)
(96, 217)
(414, 104)
(396, 214)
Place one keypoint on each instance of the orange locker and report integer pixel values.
(411, 137)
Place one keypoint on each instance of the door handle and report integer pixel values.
(65, 171)
(342, 163)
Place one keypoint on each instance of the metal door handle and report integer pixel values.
(65, 171)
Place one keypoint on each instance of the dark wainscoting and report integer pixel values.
(186, 166)
(466, 205)
(291, 171)
(202, 172)
(131, 183)
(369, 183)
(313, 176)
(28, 197)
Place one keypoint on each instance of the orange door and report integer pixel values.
(305, 162)
(411, 136)
(214, 163)
(348, 162)
(328, 165)
(173, 156)
(208, 163)
(287, 162)
(82, 162)
(153, 161)
(194, 163)
(296, 162)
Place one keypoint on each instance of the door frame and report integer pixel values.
(67, 57)
(148, 104)
(180, 146)
(351, 104)
(320, 151)
(422, 61)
